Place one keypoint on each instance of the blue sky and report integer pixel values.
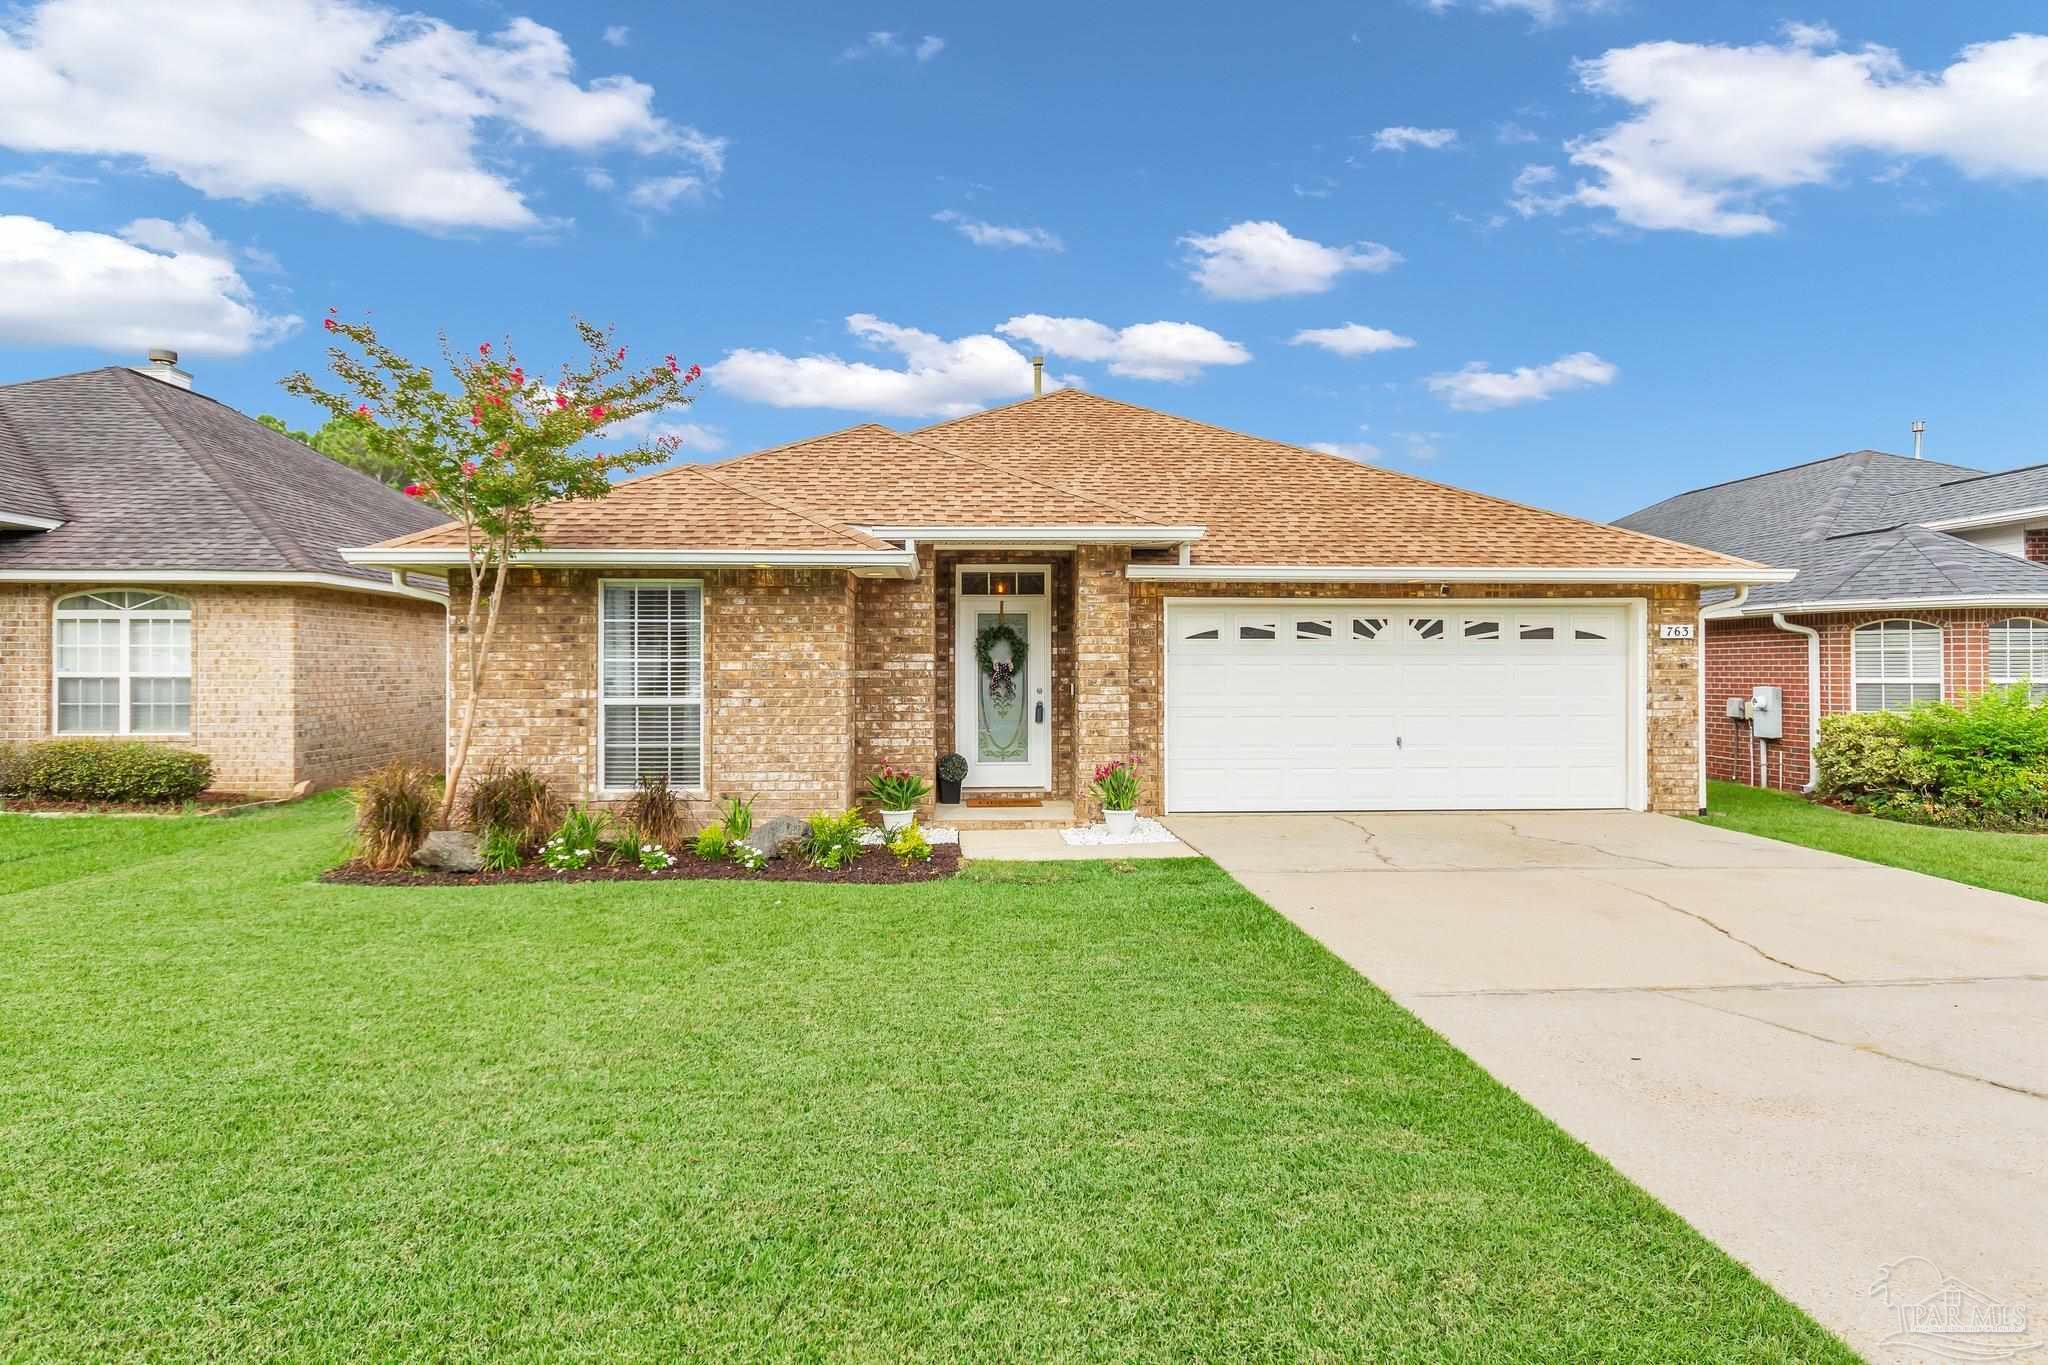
(1631, 247)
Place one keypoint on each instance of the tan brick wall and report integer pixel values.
(1673, 681)
(1104, 671)
(896, 679)
(779, 685)
(253, 711)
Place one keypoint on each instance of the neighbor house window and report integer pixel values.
(123, 664)
(651, 701)
(1893, 664)
(2019, 653)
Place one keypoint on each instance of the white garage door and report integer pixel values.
(1395, 706)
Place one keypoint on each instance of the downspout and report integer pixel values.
(1812, 694)
(1733, 603)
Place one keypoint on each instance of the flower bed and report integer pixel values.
(876, 866)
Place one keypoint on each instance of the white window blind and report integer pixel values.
(123, 664)
(2019, 653)
(651, 684)
(1894, 664)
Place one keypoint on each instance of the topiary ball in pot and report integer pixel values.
(952, 772)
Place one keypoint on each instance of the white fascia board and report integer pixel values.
(2009, 515)
(23, 521)
(902, 561)
(1041, 535)
(1438, 573)
(1727, 610)
(173, 577)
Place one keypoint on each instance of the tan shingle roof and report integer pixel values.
(688, 508)
(1269, 503)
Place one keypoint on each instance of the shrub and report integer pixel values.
(656, 813)
(518, 801)
(501, 850)
(712, 843)
(953, 767)
(13, 768)
(1982, 763)
(126, 770)
(576, 842)
(739, 818)
(654, 858)
(834, 838)
(910, 846)
(394, 811)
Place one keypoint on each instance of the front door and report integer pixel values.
(1003, 703)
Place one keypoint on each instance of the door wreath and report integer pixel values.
(1002, 674)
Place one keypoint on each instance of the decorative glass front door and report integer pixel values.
(1003, 678)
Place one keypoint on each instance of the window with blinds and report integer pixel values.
(1893, 664)
(2019, 653)
(123, 663)
(651, 684)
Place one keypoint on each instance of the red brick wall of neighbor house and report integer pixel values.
(779, 684)
(1750, 653)
(1673, 681)
(2037, 544)
(288, 685)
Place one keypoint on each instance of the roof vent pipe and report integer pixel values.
(163, 366)
(1037, 375)
(1919, 430)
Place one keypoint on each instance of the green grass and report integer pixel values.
(2017, 863)
(1042, 1111)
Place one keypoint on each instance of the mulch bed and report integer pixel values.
(875, 867)
(25, 805)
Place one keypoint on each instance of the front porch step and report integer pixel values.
(1043, 815)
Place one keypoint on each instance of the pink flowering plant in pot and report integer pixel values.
(491, 446)
(1116, 787)
(897, 792)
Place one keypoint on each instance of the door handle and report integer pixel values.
(1397, 741)
(1040, 714)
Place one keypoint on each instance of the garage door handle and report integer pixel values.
(1397, 741)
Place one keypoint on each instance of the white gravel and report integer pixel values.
(1143, 832)
(933, 835)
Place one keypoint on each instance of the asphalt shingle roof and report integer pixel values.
(148, 476)
(1853, 526)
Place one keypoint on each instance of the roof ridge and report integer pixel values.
(1787, 469)
(794, 509)
(766, 450)
(1146, 517)
(294, 553)
(1978, 478)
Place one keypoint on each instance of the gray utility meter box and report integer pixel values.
(1767, 712)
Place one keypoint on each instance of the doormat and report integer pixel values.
(1005, 801)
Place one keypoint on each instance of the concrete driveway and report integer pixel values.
(1824, 1065)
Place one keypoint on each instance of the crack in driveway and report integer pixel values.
(1371, 841)
(1726, 933)
(1625, 859)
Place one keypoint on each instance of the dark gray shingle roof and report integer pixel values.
(1852, 526)
(148, 476)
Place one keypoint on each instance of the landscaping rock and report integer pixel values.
(451, 850)
(771, 834)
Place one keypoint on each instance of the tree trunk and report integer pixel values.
(479, 647)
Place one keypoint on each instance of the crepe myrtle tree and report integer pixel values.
(492, 450)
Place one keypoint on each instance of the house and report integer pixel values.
(1917, 580)
(1069, 579)
(170, 570)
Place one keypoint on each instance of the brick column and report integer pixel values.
(1102, 670)
(896, 676)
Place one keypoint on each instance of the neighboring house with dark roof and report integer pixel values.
(1069, 580)
(170, 569)
(1917, 580)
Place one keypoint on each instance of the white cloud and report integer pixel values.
(990, 234)
(650, 428)
(1543, 12)
(938, 378)
(617, 34)
(1715, 130)
(600, 179)
(1171, 351)
(44, 178)
(1352, 339)
(660, 194)
(1809, 35)
(885, 43)
(1420, 445)
(1361, 451)
(1263, 260)
(156, 284)
(1476, 388)
(1531, 192)
(1400, 139)
(1511, 133)
(349, 106)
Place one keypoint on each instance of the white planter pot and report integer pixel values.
(893, 820)
(1120, 821)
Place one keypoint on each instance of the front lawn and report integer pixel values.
(2017, 863)
(1077, 1110)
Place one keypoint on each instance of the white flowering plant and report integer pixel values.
(654, 858)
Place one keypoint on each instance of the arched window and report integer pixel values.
(1893, 664)
(2019, 653)
(123, 663)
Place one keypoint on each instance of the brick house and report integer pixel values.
(1067, 580)
(170, 570)
(1917, 580)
